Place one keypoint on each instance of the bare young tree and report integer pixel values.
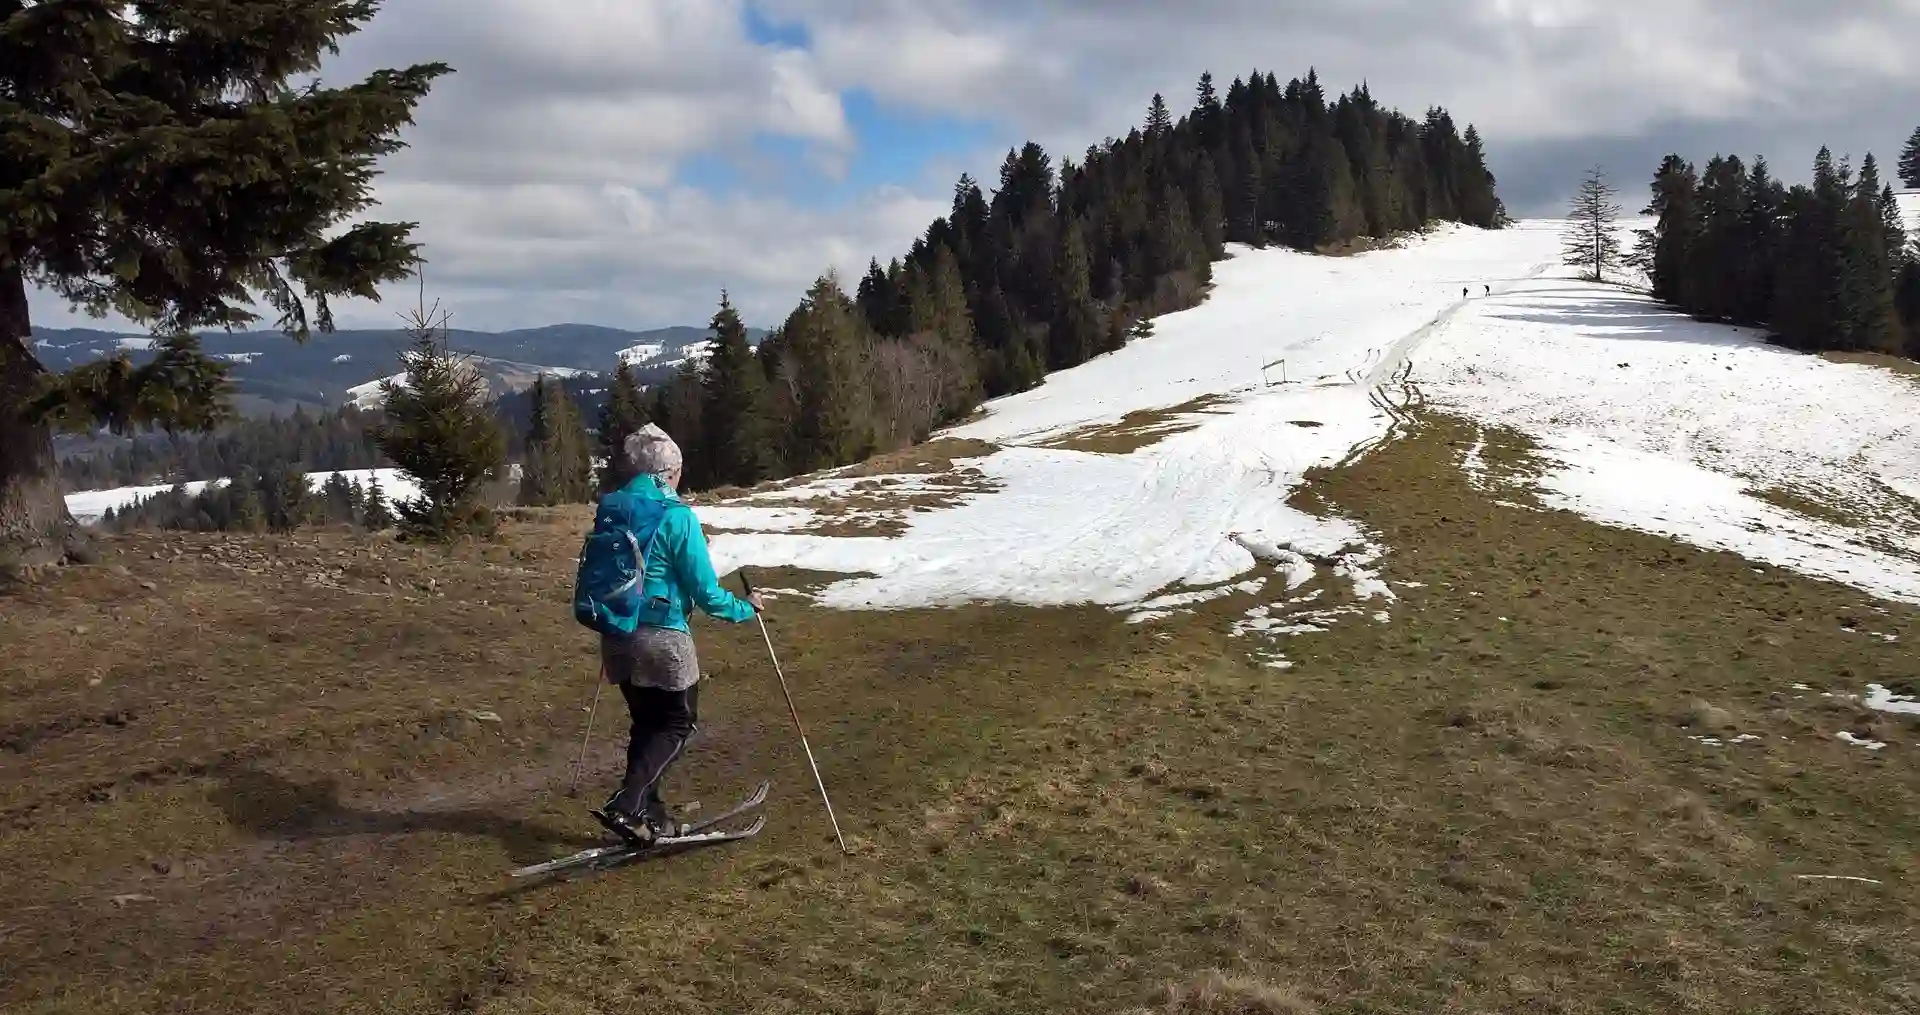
(1589, 242)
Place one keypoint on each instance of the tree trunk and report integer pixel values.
(35, 528)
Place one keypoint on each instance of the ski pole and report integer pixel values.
(574, 786)
(817, 781)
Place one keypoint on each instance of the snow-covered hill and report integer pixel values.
(1647, 420)
(501, 376)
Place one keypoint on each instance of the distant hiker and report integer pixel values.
(1463, 292)
(642, 568)
(1489, 290)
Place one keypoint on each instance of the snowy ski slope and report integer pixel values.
(1192, 510)
(1680, 441)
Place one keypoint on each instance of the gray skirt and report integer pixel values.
(651, 657)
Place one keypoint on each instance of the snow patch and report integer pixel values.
(370, 395)
(1857, 741)
(89, 506)
(655, 354)
(1880, 699)
(1652, 421)
(240, 357)
(345, 357)
(758, 519)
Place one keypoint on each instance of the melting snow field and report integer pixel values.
(1182, 520)
(1645, 419)
(1652, 421)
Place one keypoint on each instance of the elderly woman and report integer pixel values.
(655, 666)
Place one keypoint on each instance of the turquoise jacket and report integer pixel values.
(679, 572)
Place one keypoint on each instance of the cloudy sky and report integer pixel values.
(619, 162)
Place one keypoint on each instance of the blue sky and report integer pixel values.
(619, 162)
(892, 147)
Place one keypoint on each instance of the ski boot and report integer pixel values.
(662, 824)
(629, 829)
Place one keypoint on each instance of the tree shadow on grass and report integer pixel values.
(272, 806)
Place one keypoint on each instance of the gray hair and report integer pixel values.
(650, 452)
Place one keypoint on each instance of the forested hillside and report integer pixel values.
(1065, 261)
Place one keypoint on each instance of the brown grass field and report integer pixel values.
(289, 775)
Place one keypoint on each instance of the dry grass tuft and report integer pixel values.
(1216, 993)
(1704, 715)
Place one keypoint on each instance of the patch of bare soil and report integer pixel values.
(1140, 429)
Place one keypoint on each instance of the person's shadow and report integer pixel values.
(271, 806)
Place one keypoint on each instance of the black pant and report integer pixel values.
(662, 723)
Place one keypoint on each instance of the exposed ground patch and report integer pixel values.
(1136, 430)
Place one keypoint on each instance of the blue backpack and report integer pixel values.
(613, 562)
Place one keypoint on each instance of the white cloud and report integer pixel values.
(545, 173)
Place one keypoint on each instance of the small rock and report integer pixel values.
(163, 866)
(149, 586)
(484, 716)
(120, 571)
(79, 629)
(122, 900)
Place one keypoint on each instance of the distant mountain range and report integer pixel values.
(273, 373)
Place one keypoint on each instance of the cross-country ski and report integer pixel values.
(603, 857)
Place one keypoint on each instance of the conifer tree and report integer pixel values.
(1713, 269)
(1760, 244)
(621, 416)
(830, 426)
(377, 514)
(336, 499)
(246, 508)
(167, 161)
(734, 415)
(1909, 165)
(1159, 119)
(556, 468)
(534, 488)
(679, 408)
(1665, 251)
(945, 317)
(1206, 113)
(1868, 319)
(878, 298)
(440, 430)
(286, 498)
(1906, 299)
(569, 453)
(1209, 209)
(1588, 242)
(1075, 334)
